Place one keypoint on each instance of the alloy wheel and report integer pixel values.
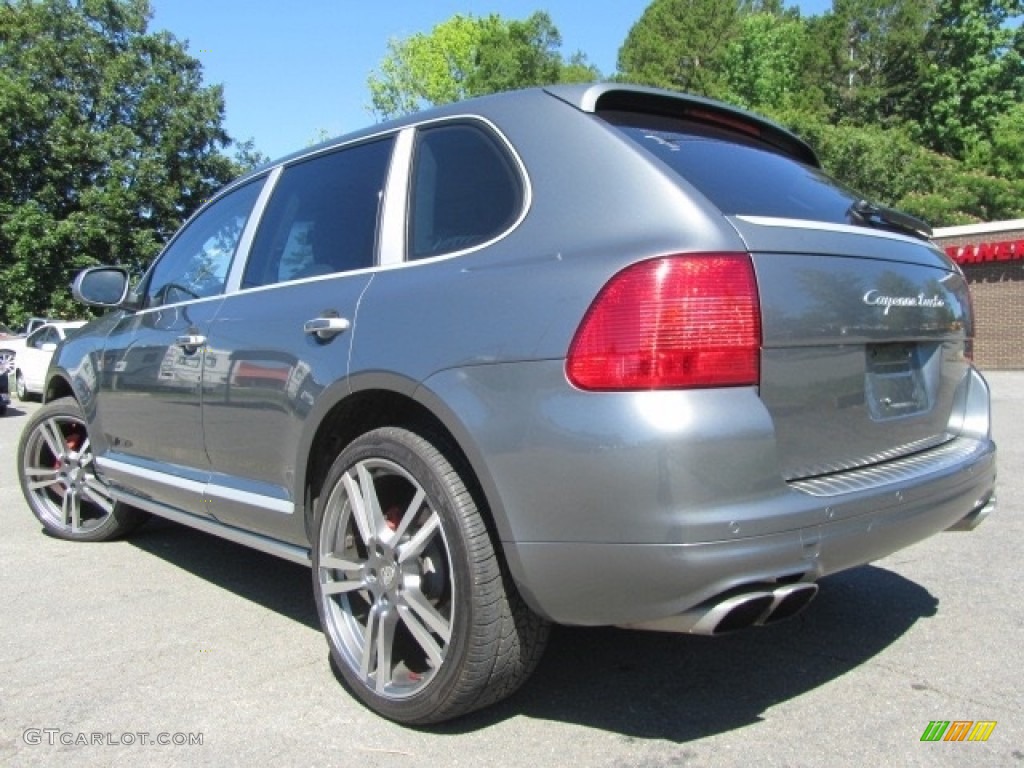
(60, 479)
(386, 579)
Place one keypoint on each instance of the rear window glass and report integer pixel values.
(741, 175)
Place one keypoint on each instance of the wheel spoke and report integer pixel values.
(385, 643)
(71, 508)
(427, 613)
(43, 477)
(335, 563)
(49, 430)
(358, 507)
(422, 636)
(98, 494)
(369, 642)
(374, 516)
(417, 543)
(342, 587)
(410, 513)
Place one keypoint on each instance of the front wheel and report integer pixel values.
(20, 387)
(57, 472)
(420, 617)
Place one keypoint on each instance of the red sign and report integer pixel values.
(983, 253)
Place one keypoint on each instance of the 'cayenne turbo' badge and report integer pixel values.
(875, 298)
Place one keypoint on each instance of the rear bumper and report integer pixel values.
(632, 507)
(601, 583)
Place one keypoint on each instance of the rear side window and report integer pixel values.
(739, 174)
(465, 190)
(322, 217)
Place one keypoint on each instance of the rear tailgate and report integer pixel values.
(864, 337)
(864, 327)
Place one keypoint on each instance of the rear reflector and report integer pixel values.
(676, 322)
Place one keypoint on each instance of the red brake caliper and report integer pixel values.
(73, 441)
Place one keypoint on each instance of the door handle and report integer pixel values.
(326, 328)
(190, 343)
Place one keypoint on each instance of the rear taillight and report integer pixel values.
(671, 323)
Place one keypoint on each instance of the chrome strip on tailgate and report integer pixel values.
(947, 456)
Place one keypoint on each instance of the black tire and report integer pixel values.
(20, 389)
(58, 478)
(412, 567)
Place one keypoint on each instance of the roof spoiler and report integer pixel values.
(600, 97)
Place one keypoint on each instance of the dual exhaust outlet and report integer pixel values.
(739, 608)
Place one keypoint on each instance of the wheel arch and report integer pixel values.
(59, 386)
(385, 403)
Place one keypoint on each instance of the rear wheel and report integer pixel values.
(419, 616)
(19, 386)
(58, 476)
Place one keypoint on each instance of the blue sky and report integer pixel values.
(292, 70)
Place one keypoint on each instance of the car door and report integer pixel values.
(148, 404)
(282, 340)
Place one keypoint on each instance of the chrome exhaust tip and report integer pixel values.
(976, 516)
(739, 608)
(788, 601)
(738, 612)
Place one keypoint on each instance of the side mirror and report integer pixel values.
(101, 286)
(48, 346)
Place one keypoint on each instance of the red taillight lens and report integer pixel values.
(671, 323)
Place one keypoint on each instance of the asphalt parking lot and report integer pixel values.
(180, 637)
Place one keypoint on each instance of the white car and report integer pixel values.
(32, 356)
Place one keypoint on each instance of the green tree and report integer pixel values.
(108, 139)
(767, 65)
(872, 57)
(682, 44)
(890, 166)
(974, 73)
(469, 56)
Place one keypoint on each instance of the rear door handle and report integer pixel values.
(326, 328)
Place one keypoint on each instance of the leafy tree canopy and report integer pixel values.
(108, 139)
(682, 44)
(916, 103)
(469, 56)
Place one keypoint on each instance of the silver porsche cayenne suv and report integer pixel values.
(591, 355)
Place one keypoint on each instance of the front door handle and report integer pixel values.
(326, 328)
(190, 343)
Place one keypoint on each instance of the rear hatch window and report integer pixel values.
(740, 174)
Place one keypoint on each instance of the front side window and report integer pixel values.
(47, 335)
(196, 263)
(322, 217)
(465, 190)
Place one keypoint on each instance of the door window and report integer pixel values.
(465, 190)
(195, 265)
(322, 217)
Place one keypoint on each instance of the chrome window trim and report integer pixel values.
(396, 206)
(241, 257)
(524, 176)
